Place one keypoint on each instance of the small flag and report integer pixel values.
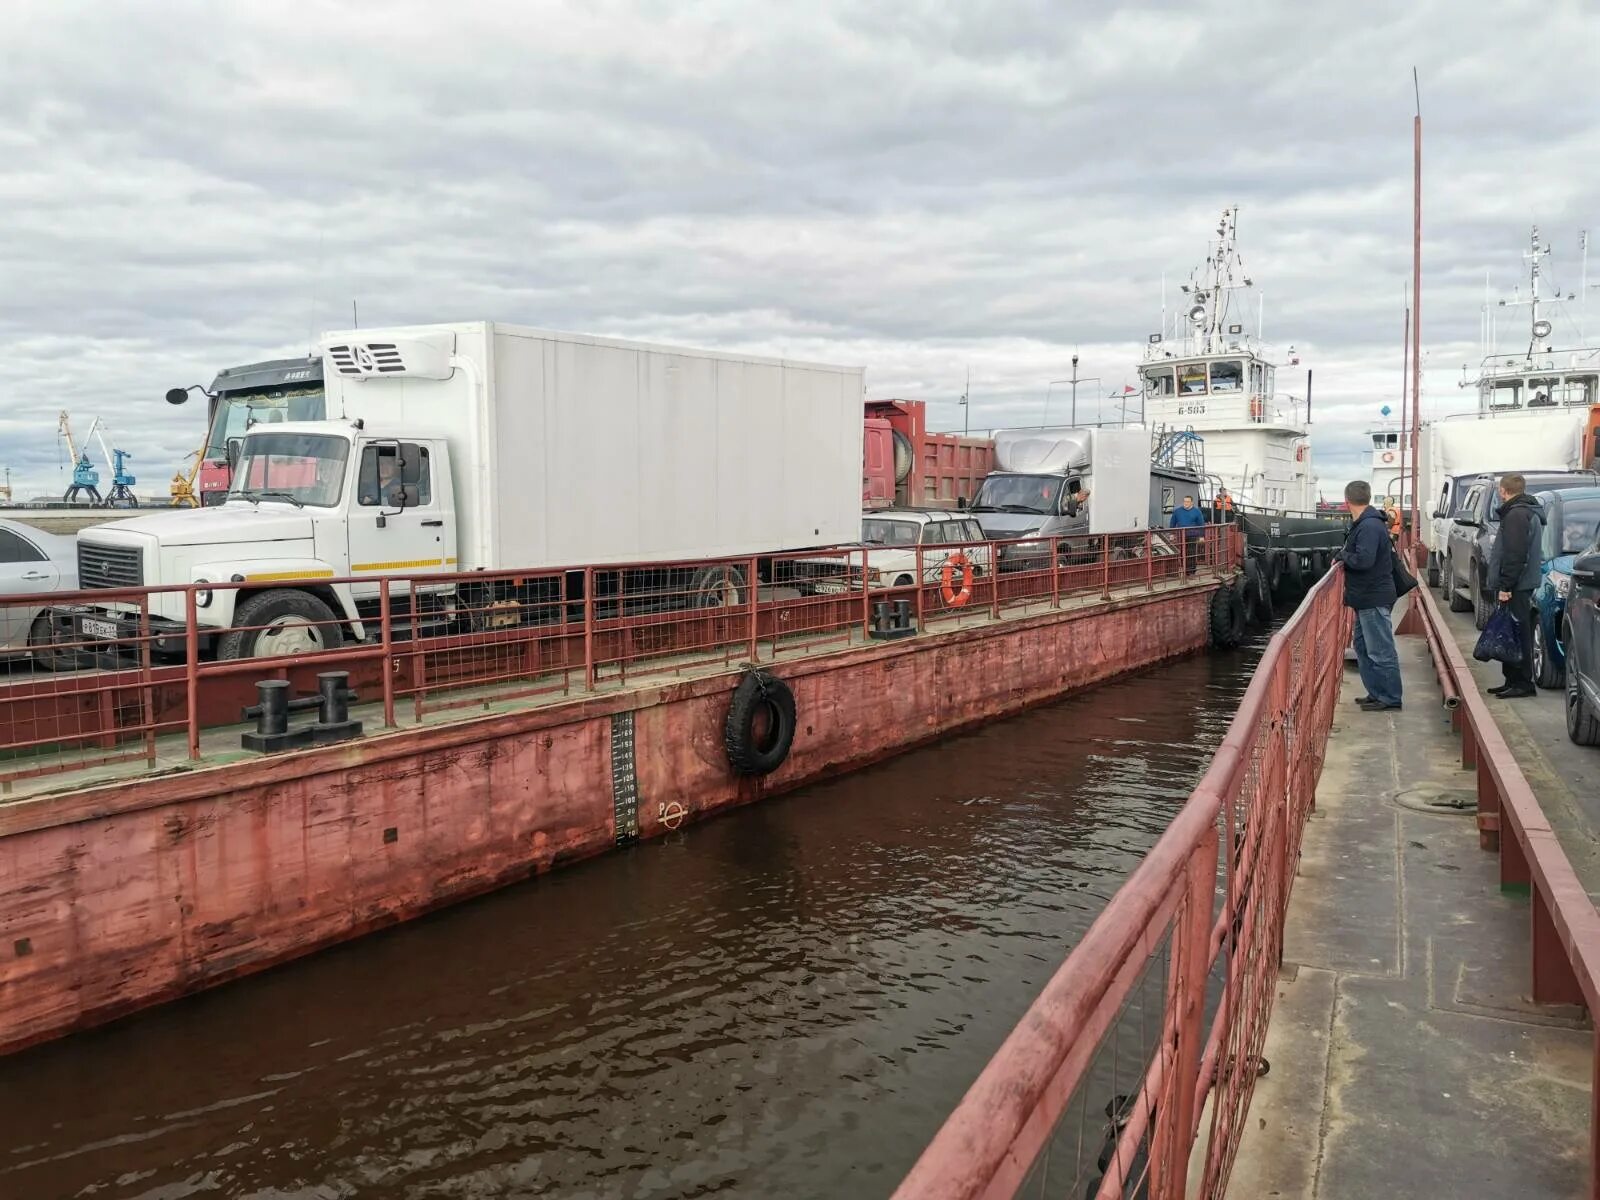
(1126, 388)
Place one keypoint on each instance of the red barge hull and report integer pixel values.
(121, 896)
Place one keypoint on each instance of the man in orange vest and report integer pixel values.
(1224, 502)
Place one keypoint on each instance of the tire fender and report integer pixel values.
(1227, 618)
(760, 697)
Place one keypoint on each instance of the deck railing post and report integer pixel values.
(920, 581)
(191, 675)
(1105, 566)
(588, 629)
(1055, 572)
(994, 583)
(755, 608)
(386, 634)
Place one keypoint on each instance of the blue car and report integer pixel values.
(1571, 523)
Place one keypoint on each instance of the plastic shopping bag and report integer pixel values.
(1501, 639)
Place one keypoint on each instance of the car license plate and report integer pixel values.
(830, 587)
(94, 627)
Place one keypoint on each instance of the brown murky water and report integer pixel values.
(785, 1001)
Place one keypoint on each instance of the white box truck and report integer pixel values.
(483, 447)
(1458, 448)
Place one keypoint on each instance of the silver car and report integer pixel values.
(32, 563)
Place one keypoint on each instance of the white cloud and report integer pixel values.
(921, 188)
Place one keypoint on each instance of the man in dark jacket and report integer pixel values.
(1368, 558)
(1193, 522)
(1514, 574)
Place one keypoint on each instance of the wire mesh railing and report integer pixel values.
(128, 672)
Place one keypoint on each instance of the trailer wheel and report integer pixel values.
(760, 725)
(720, 586)
(280, 622)
(1227, 618)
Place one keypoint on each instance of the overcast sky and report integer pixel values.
(920, 188)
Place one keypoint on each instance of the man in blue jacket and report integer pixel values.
(1514, 573)
(1368, 558)
(1192, 521)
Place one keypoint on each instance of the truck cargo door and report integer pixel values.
(401, 523)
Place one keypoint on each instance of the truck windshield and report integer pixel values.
(1019, 493)
(302, 468)
(235, 411)
(878, 532)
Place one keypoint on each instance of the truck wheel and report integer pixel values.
(1482, 606)
(1545, 673)
(760, 725)
(1451, 592)
(42, 648)
(717, 587)
(1255, 583)
(1227, 618)
(277, 623)
(1433, 570)
(1583, 727)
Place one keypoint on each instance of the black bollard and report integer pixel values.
(333, 722)
(271, 714)
(902, 614)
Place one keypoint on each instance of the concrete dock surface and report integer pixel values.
(1405, 1056)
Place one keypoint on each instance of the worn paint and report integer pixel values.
(119, 897)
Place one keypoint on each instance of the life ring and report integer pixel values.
(1388, 456)
(760, 700)
(952, 597)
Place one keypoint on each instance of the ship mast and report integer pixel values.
(1536, 328)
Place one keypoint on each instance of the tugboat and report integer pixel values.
(1210, 378)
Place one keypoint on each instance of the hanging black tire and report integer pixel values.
(1247, 598)
(1293, 577)
(1255, 583)
(1275, 573)
(760, 727)
(1227, 618)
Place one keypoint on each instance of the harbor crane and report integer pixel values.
(84, 476)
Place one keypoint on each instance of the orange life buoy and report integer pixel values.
(1388, 456)
(952, 597)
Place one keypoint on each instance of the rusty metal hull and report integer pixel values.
(116, 898)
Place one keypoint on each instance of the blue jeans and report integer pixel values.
(1376, 655)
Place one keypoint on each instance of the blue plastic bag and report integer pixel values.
(1501, 639)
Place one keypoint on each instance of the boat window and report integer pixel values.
(1168, 497)
(1506, 395)
(1227, 376)
(878, 532)
(1257, 378)
(1542, 392)
(1158, 382)
(1578, 521)
(1192, 379)
(1577, 390)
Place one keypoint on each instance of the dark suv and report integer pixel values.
(1581, 630)
(1473, 530)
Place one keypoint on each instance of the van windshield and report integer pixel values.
(1019, 493)
(302, 468)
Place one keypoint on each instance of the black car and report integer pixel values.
(1581, 637)
(1476, 524)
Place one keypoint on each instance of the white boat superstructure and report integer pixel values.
(1211, 376)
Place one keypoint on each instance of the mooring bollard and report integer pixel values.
(333, 722)
(271, 713)
(902, 614)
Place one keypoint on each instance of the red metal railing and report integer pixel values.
(1163, 949)
(491, 637)
(1564, 928)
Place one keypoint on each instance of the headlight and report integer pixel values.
(1562, 583)
(202, 596)
(873, 574)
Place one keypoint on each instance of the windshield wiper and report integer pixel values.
(1023, 508)
(260, 496)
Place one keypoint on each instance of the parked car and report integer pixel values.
(1572, 524)
(1580, 635)
(892, 537)
(1474, 526)
(32, 563)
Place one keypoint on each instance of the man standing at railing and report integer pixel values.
(1514, 573)
(1368, 558)
(1192, 521)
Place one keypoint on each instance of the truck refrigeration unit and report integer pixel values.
(451, 449)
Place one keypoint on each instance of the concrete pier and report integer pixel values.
(1405, 1057)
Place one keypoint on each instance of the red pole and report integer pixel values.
(1405, 413)
(191, 679)
(1416, 293)
(386, 634)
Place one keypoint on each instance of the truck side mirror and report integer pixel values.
(1467, 521)
(1439, 514)
(961, 502)
(177, 395)
(235, 446)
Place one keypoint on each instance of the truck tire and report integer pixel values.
(1291, 580)
(279, 622)
(904, 456)
(759, 729)
(42, 648)
(1227, 618)
(1255, 582)
(1545, 673)
(1275, 568)
(717, 587)
(1583, 726)
(1482, 606)
(1433, 570)
(1451, 592)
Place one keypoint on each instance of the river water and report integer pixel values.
(784, 1001)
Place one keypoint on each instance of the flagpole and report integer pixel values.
(1416, 293)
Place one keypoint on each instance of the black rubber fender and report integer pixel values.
(1293, 577)
(1255, 585)
(760, 727)
(1275, 572)
(1227, 618)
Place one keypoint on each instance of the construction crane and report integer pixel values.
(5, 488)
(182, 485)
(122, 480)
(84, 476)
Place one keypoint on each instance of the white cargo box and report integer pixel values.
(569, 449)
(1118, 480)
